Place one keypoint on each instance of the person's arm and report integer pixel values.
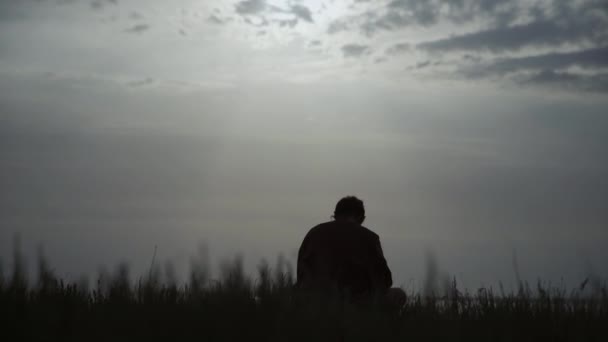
(302, 261)
(384, 278)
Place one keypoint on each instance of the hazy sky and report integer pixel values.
(475, 129)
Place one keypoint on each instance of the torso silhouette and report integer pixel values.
(342, 256)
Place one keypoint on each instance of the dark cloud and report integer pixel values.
(262, 9)
(398, 48)
(539, 33)
(423, 64)
(250, 7)
(286, 22)
(550, 69)
(302, 13)
(214, 19)
(257, 7)
(510, 26)
(553, 23)
(562, 23)
(139, 28)
(568, 81)
(472, 58)
(101, 4)
(136, 15)
(379, 60)
(315, 43)
(338, 26)
(141, 83)
(354, 50)
(398, 14)
(590, 59)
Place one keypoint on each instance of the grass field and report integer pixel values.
(266, 308)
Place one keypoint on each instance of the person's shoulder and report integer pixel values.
(368, 232)
(325, 224)
(320, 227)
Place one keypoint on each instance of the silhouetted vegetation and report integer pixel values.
(236, 307)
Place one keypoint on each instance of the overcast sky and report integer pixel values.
(475, 129)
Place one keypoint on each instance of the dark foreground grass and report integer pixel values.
(237, 308)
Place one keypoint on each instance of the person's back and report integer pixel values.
(343, 255)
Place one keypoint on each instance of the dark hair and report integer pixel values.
(350, 206)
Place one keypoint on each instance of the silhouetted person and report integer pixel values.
(342, 256)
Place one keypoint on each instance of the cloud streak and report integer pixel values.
(266, 13)
(398, 14)
(537, 34)
(549, 70)
(101, 4)
(589, 59)
(398, 48)
(568, 81)
(354, 50)
(139, 28)
(248, 7)
(302, 13)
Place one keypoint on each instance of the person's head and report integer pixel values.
(350, 208)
